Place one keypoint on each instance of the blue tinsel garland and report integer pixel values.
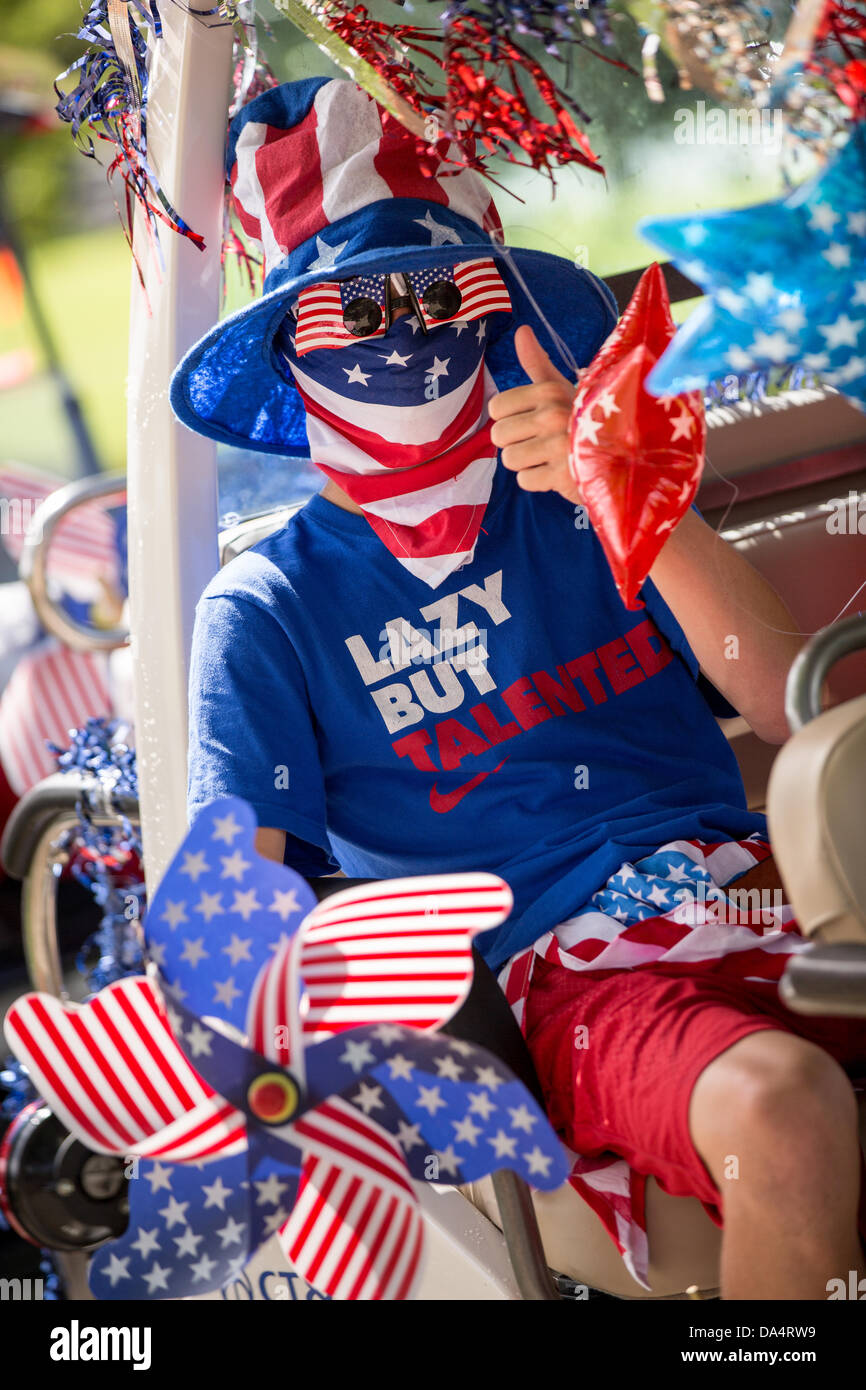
(115, 948)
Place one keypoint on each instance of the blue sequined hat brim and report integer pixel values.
(229, 387)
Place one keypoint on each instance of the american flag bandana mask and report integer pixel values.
(400, 423)
(297, 1061)
(321, 309)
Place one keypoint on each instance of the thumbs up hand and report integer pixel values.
(531, 423)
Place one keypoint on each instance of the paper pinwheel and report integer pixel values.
(297, 1055)
(786, 283)
(636, 459)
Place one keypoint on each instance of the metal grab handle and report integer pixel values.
(812, 665)
(827, 980)
(33, 565)
(28, 851)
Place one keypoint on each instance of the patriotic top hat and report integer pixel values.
(329, 184)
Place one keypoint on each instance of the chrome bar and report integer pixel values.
(42, 950)
(812, 665)
(33, 566)
(827, 980)
(39, 910)
(523, 1238)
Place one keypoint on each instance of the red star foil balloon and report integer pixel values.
(636, 458)
(313, 1076)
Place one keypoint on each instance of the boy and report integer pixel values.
(429, 670)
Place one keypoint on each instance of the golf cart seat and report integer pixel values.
(821, 854)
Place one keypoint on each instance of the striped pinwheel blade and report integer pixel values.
(219, 913)
(272, 1016)
(356, 1231)
(398, 952)
(113, 1072)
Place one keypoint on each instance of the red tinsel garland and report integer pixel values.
(465, 99)
(839, 53)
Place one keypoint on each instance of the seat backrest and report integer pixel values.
(816, 808)
(234, 540)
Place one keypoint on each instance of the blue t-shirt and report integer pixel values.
(519, 719)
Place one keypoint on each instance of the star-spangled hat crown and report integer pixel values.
(305, 156)
(331, 187)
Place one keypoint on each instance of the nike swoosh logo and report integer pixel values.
(446, 801)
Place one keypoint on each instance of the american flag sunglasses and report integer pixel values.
(339, 312)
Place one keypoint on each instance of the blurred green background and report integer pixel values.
(64, 215)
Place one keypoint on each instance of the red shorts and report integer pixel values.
(652, 1032)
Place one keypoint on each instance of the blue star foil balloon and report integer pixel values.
(785, 283)
(286, 1076)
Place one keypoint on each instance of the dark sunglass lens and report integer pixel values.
(362, 317)
(442, 299)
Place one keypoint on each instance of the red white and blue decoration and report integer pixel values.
(109, 101)
(329, 185)
(635, 498)
(785, 282)
(679, 903)
(291, 1050)
(820, 78)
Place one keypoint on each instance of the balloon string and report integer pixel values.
(785, 632)
(559, 342)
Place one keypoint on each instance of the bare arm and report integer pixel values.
(739, 629)
(270, 843)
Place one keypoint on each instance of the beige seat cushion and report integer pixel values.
(684, 1244)
(816, 808)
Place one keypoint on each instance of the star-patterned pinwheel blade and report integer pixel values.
(438, 1097)
(219, 912)
(635, 494)
(190, 1230)
(786, 283)
(112, 1071)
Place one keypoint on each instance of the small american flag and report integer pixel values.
(482, 290)
(321, 308)
(51, 691)
(52, 688)
(84, 545)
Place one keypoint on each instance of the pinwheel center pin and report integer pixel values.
(273, 1097)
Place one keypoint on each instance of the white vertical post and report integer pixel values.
(172, 496)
